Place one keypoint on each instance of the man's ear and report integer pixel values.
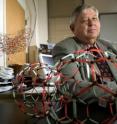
(72, 27)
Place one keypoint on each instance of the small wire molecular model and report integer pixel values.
(11, 44)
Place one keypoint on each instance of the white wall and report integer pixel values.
(1, 16)
(37, 19)
(30, 17)
(42, 22)
(2, 30)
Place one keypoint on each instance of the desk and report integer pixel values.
(11, 114)
(9, 111)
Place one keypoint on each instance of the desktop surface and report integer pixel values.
(10, 113)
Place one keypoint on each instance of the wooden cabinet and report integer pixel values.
(15, 21)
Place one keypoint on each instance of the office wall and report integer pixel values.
(104, 5)
(108, 19)
(15, 21)
(59, 12)
(59, 29)
(109, 28)
(37, 19)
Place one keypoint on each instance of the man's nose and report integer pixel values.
(90, 22)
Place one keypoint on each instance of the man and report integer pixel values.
(85, 26)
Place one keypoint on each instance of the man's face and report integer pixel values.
(87, 26)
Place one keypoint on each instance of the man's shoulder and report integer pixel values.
(107, 45)
(105, 42)
(66, 41)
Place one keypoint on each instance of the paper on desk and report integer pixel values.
(5, 82)
(5, 88)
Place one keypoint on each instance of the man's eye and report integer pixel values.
(95, 18)
(85, 21)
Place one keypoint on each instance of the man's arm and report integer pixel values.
(74, 73)
(77, 77)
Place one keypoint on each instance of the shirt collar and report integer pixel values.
(85, 46)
